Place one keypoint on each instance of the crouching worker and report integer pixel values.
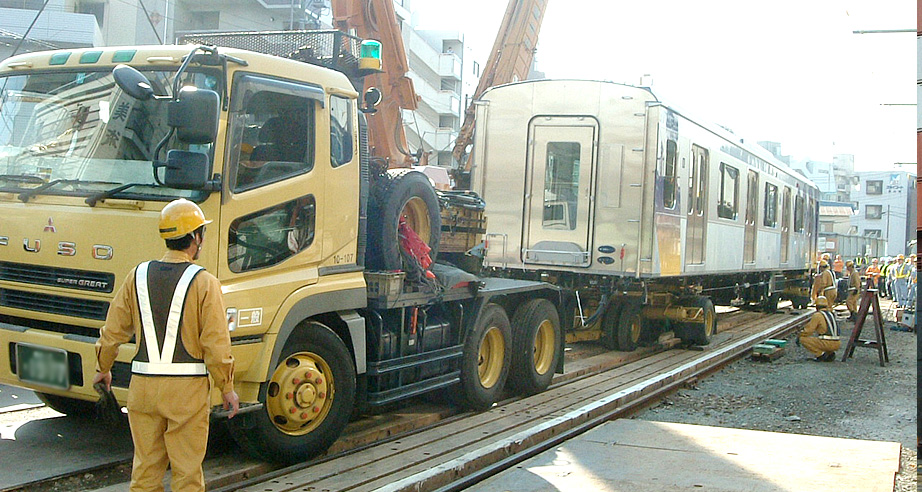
(821, 334)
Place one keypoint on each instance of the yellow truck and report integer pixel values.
(330, 316)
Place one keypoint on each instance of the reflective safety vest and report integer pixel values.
(902, 270)
(832, 328)
(161, 315)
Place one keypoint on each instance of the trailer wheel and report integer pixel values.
(770, 303)
(308, 400)
(535, 351)
(406, 194)
(701, 333)
(71, 407)
(610, 323)
(630, 327)
(486, 359)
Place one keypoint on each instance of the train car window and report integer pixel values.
(670, 176)
(341, 134)
(771, 205)
(561, 185)
(728, 203)
(799, 214)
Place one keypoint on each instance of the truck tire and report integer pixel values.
(407, 194)
(701, 333)
(71, 407)
(308, 400)
(486, 358)
(536, 347)
(609, 338)
(631, 327)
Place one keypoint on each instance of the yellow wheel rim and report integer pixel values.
(636, 328)
(710, 326)
(416, 214)
(544, 347)
(300, 393)
(490, 360)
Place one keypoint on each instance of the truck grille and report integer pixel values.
(67, 306)
(57, 277)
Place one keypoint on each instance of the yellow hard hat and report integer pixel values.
(849, 263)
(900, 257)
(180, 217)
(821, 301)
(823, 264)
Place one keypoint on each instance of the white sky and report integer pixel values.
(789, 71)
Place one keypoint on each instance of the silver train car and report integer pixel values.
(648, 216)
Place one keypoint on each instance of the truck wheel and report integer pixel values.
(630, 327)
(486, 358)
(308, 400)
(68, 406)
(610, 324)
(535, 352)
(701, 333)
(407, 194)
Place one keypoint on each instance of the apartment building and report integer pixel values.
(887, 207)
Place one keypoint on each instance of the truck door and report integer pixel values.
(559, 201)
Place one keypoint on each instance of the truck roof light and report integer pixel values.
(59, 58)
(370, 55)
(123, 56)
(90, 57)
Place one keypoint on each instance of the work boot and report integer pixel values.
(828, 356)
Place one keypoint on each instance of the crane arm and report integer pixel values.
(376, 19)
(511, 59)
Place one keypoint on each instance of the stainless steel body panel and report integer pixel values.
(631, 160)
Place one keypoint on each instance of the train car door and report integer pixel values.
(785, 224)
(752, 210)
(559, 201)
(697, 207)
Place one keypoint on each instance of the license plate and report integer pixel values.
(41, 365)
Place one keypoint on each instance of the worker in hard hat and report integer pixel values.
(838, 266)
(913, 280)
(820, 335)
(900, 282)
(824, 284)
(854, 288)
(175, 311)
(873, 272)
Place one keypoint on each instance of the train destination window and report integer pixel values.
(799, 214)
(669, 175)
(561, 185)
(771, 205)
(728, 203)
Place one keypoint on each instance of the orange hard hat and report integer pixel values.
(180, 217)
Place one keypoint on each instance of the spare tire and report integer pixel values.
(405, 193)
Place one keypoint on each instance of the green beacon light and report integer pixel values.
(370, 55)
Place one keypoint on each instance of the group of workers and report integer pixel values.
(893, 277)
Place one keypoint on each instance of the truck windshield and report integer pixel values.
(81, 132)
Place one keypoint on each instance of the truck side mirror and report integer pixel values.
(133, 82)
(194, 115)
(186, 170)
(371, 97)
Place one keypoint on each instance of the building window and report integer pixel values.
(827, 225)
(872, 233)
(446, 121)
(476, 69)
(873, 211)
(448, 84)
(771, 205)
(728, 205)
(875, 187)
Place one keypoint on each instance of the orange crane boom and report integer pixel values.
(376, 19)
(510, 61)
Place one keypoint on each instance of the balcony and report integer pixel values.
(450, 65)
(442, 102)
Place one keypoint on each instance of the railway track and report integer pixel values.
(432, 447)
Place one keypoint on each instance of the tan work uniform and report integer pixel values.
(825, 285)
(854, 287)
(821, 333)
(168, 398)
